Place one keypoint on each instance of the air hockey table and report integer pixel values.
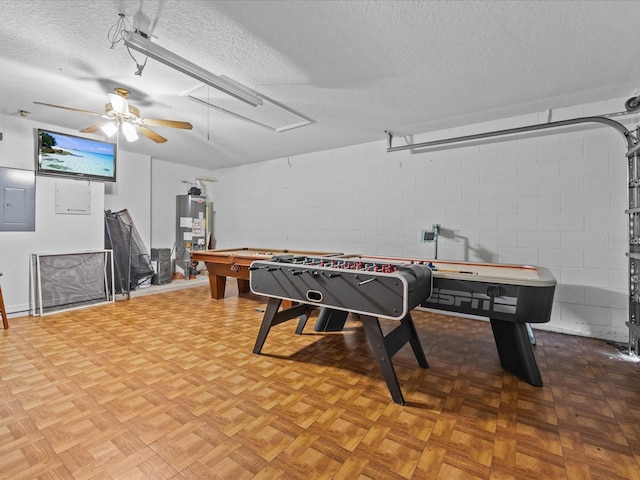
(510, 296)
(235, 262)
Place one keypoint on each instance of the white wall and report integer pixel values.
(167, 182)
(554, 198)
(146, 188)
(132, 190)
(54, 232)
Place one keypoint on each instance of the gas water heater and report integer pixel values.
(192, 230)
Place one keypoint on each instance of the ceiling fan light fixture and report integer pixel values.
(129, 132)
(119, 104)
(109, 129)
(127, 117)
(139, 43)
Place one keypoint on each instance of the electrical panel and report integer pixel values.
(18, 195)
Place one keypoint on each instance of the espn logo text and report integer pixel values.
(467, 301)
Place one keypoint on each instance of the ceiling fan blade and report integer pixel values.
(108, 128)
(158, 122)
(92, 129)
(151, 134)
(69, 108)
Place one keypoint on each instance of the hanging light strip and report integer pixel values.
(139, 43)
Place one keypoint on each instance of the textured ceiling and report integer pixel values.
(355, 67)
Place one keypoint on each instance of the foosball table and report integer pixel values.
(387, 291)
(375, 288)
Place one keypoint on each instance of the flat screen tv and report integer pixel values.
(64, 155)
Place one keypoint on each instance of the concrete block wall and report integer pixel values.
(552, 198)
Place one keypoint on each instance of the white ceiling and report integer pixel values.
(356, 67)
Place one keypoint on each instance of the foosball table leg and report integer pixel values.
(267, 320)
(414, 340)
(273, 317)
(302, 321)
(376, 339)
(385, 347)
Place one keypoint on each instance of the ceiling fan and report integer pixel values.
(127, 117)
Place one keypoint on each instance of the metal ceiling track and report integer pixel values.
(629, 137)
(633, 156)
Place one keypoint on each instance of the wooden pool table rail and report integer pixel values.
(235, 262)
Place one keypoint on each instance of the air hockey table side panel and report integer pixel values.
(516, 293)
(515, 303)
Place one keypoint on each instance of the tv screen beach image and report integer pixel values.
(75, 155)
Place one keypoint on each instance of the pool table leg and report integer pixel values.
(217, 285)
(243, 285)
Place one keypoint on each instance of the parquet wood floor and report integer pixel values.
(166, 387)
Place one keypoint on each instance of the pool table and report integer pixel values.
(235, 262)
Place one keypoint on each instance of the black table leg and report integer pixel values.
(273, 317)
(330, 320)
(385, 347)
(515, 350)
(416, 346)
(302, 321)
(265, 326)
